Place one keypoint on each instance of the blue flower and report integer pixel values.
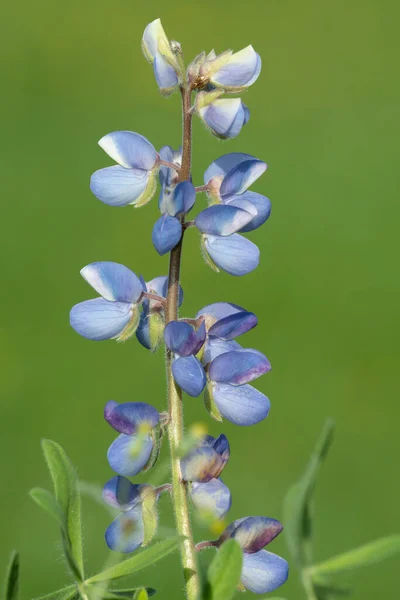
(224, 116)
(135, 421)
(134, 179)
(211, 498)
(167, 230)
(157, 49)
(230, 71)
(226, 321)
(126, 533)
(185, 341)
(116, 313)
(167, 176)
(262, 571)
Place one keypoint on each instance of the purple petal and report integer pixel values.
(183, 339)
(167, 232)
(215, 346)
(121, 493)
(234, 254)
(261, 203)
(264, 572)
(241, 177)
(234, 325)
(130, 150)
(239, 367)
(113, 281)
(223, 164)
(242, 405)
(212, 497)
(129, 416)
(225, 117)
(220, 445)
(253, 533)
(126, 533)
(222, 219)
(189, 375)
(202, 464)
(117, 186)
(99, 319)
(128, 454)
(165, 75)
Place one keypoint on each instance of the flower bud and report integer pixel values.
(162, 55)
(224, 116)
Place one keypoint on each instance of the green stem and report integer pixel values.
(308, 586)
(175, 426)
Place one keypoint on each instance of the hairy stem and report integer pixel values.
(175, 426)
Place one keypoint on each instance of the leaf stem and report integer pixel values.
(175, 426)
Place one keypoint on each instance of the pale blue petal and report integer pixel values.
(241, 177)
(165, 75)
(222, 219)
(113, 281)
(189, 375)
(223, 164)
(261, 203)
(212, 497)
(246, 113)
(126, 533)
(159, 286)
(225, 117)
(130, 150)
(234, 254)
(128, 454)
(239, 367)
(167, 232)
(220, 310)
(242, 405)
(99, 319)
(215, 346)
(264, 572)
(121, 493)
(241, 70)
(117, 186)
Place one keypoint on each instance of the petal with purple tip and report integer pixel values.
(264, 572)
(242, 405)
(222, 219)
(126, 533)
(212, 498)
(183, 339)
(189, 375)
(121, 493)
(130, 416)
(234, 254)
(261, 203)
(239, 367)
(234, 325)
(113, 281)
(117, 186)
(253, 533)
(99, 319)
(202, 464)
(241, 177)
(130, 150)
(167, 232)
(128, 454)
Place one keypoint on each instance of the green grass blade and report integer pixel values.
(223, 575)
(12, 578)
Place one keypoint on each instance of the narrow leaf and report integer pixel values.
(47, 501)
(141, 595)
(363, 556)
(12, 578)
(68, 497)
(66, 593)
(297, 505)
(224, 572)
(126, 593)
(139, 561)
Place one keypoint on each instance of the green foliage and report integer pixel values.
(67, 502)
(47, 501)
(66, 593)
(11, 591)
(141, 595)
(139, 561)
(297, 506)
(129, 593)
(223, 575)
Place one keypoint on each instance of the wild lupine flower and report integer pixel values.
(228, 179)
(134, 179)
(226, 320)
(224, 116)
(185, 341)
(151, 324)
(159, 52)
(127, 531)
(116, 313)
(168, 177)
(230, 71)
(202, 467)
(263, 571)
(167, 230)
(135, 421)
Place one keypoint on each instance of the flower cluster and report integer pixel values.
(203, 353)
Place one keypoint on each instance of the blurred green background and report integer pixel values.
(325, 116)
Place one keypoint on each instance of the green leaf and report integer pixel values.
(66, 593)
(47, 501)
(67, 494)
(224, 572)
(149, 514)
(297, 505)
(139, 561)
(12, 578)
(141, 594)
(127, 593)
(363, 556)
